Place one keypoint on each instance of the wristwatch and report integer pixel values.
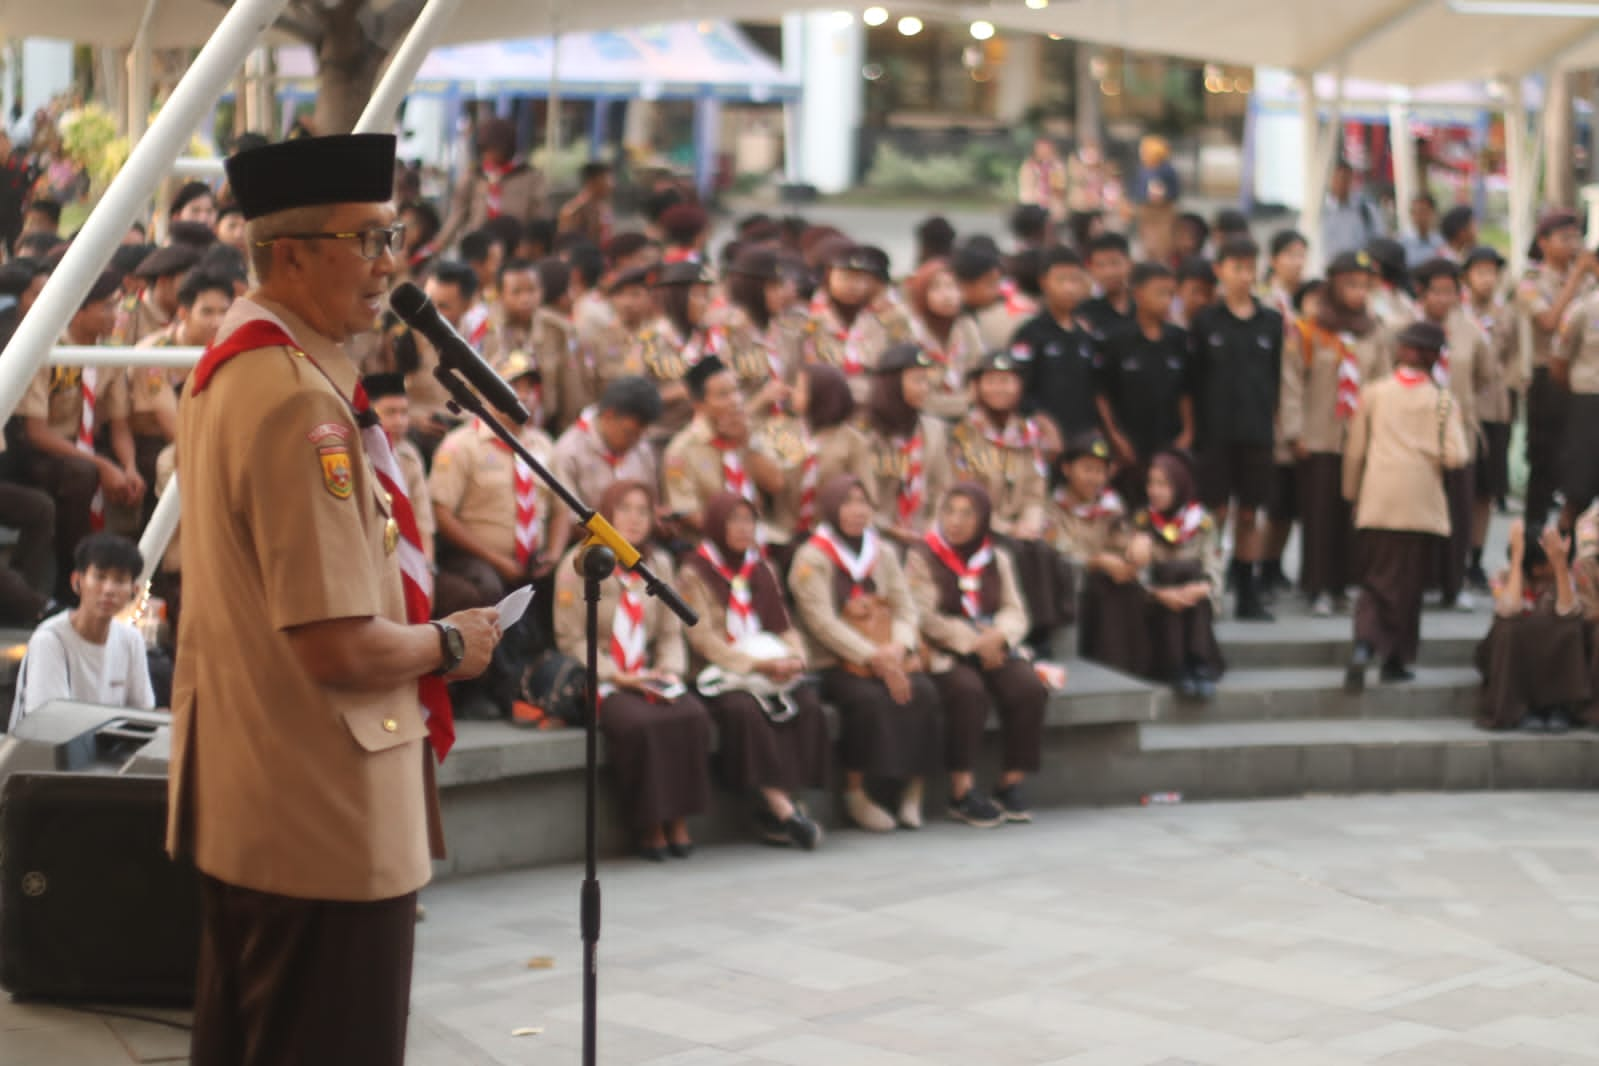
(451, 645)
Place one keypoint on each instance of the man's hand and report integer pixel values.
(541, 566)
(113, 481)
(1300, 451)
(135, 487)
(480, 628)
(1518, 541)
(992, 649)
(1556, 547)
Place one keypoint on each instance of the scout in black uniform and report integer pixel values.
(1056, 356)
(1235, 372)
(1110, 263)
(1142, 381)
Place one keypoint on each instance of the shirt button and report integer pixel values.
(390, 725)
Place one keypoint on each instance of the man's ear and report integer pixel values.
(77, 580)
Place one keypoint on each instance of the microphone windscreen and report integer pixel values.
(407, 300)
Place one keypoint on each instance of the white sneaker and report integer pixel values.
(866, 814)
(1322, 606)
(1464, 603)
(910, 806)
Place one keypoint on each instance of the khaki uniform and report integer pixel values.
(1499, 325)
(665, 651)
(278, 783)
(948, 396)
(691, 469)
(831, 640)
(826, 339)
(707, 642)
(758, 356)
(998, 322)
(566, 379)
(1308, 399)
(1080, 537)
(474, 478)
(137, 318)
(840, 449)
(1204, 548)
(1473, 370)
(584, 465)
(56, 395)
(151, 395)
(951, 635)
(889, 472)
(1013, 476)
(1400, 441)
(605, 341)
(416, 490)
(1577, 344)
(521, 197)
(1392, 307)
(591, 218)
(658, 353)
(1537, 292)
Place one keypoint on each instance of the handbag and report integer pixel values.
(553, 693)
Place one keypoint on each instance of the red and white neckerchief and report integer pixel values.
(858, 566)
(735, 478)
(968, 573)
(742, 620)
(1348, 377)
(529, 523)
(850, 360)
(1181, 527)
(475, 325)
(808, 477)
(680, 255)
(87, 379)
(585, 424)
(1108, 505)
(1019, 433)
(1015, 302)
(493, 176)
(262, 329)
(1410, 377)
(629, 641)
(950, 359)
(914, 483)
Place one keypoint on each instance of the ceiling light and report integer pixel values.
(841, 19)
(1525, 8)
(982, 30)
(1037, 5)
(910, 26)
(875, 16)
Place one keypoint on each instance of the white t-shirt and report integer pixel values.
(61, 665)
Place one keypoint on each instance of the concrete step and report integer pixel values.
(1255, 695)
(1448, 638)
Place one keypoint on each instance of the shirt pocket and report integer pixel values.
(378, 729)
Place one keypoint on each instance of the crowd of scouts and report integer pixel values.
(905, 497)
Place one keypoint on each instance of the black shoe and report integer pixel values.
(1187, 687)
(1012, 804)
(1355, 673)
(770, 828)
(1394, 672)
(652, 854)
(1477, 579)
(1557, 724)
(1533, 723)
(976, 809)
(802, 831)
(1204, 689)
(680, 851)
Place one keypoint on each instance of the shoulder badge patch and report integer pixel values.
(336, 475)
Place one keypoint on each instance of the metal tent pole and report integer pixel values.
(378, 116)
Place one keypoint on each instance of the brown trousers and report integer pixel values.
(290, 982)
(1454, 551)
(1326, 526)
(1393, 576)
(1014, 692)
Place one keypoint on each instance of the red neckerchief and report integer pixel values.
(629, 641)
(741, 617)
(528, 523)
(826, 317)
(808, 478)
(1019, 433)
(1015, 303)
(1409, 376)
(1181, 527)
(858, 567)
(950, 359)
(735, 478)
(910, 489)
(494, 174)
(968, 572)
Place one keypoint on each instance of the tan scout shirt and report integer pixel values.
(606, 341)
(1013, 476)
(278, 783)
(890, 467)
(1400, 442)
(758, 356)
(707, 642)
(1204, 547)
(1536, 293)
(1577, 344)
(56, 395)
(828, 341)
(665, 650)
(1082, 531)
(474, 478)
(566, 379)
(1472, 368)
(692, 470)
(152, 397)
(832, 640)
(583, 462)
(950, 636)
(1498, 324)
(1307, 406)
(998, 322)
(840, 449)
(658, 353)
(948, 395)
(521, 197)
(137, 319)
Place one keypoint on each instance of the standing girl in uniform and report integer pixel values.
(765, 330)
(664, 350)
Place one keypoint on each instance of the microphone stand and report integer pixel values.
(596, 561)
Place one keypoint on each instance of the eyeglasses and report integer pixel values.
(374, 242)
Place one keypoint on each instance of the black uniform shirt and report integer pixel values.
(1102, 317)
(1235, 369)
(1057, 369)
(1144, 380)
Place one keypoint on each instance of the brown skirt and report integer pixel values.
(1112, 625)
(1047, 584)
(658, 753)
(1529, 663)
(1454, 550)
(756, 752)
(884, 739)
(1014, 692)
(1393, 576)
(1326, 526)
(1182, 640)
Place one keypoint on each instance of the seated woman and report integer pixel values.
(748, 659)
(973, 620)
(1184, 581)
(1091, 530)
(765, 329)
(658, 733)
(949, 338)
(857, 612)
(1533, 662)
(910, 449)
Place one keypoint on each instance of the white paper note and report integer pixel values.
(514, 606)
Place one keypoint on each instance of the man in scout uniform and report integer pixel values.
(451, 286)
(162, 272)
(714, 454)
(308, 676)
(393, 408)
(499, 525)
(606, 444)
(1560, 272)
(629, 306)
(75, 420)
(567, 379)
(589, 212)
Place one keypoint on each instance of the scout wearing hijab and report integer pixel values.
(973, 620)
(1090, 528)
(72, 418)
(1496, 402)
(606, 444)
(1535, 672)
(811, 446)
(1406, 434)
(387, 395)
(748, 660)
(765, 328)
(499, 524)
(678, 338)
(910, 450)
(950, 339)
(162, 272)
(842, 330)
(1184, 582)
(658, 744)
(1466, 367)
(1325, 363)
(1559, 273)
(856, 608)
(715, 454)
(308, 676)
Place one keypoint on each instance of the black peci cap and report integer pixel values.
(353, 168)
(379, 386)
(165, 262)
(1423, 336)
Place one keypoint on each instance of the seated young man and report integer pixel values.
(86, 654)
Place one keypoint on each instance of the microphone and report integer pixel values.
(418, 312)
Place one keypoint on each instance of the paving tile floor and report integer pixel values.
(1422, 930)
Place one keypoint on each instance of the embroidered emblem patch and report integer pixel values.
(336, 476)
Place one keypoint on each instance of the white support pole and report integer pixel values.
(1407, 181)
(140, 95)
(552, 108)
(1315, 192)
(157, 536)
(130, 190)
(131, 358)
(378, 115)
(1516, 165)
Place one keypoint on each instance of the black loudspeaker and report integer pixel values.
(91, 908)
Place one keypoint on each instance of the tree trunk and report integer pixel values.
(348, 65)
(1087, 93)
(1559, 131)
